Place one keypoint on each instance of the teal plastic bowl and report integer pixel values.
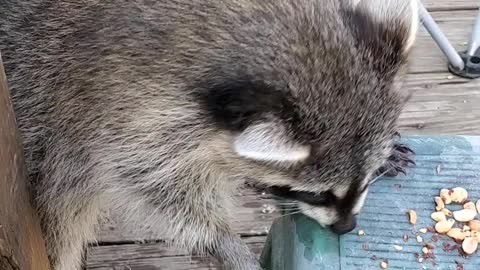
(298, 242)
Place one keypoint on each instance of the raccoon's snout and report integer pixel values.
(345, 225)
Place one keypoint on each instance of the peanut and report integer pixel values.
(464, 215)
(447, 212)
(474, 225)
(476, 235)
(445, 195)
(444, 226)
(412, 216)
(438, 216)
(459, 195)
(470, 205)
(456, 233)
(440, 204)
(469, 245)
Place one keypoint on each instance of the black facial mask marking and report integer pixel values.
(345, 206)
(326, 198)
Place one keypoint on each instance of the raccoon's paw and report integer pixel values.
(402, 156)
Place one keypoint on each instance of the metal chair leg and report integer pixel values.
(441, 40)
(465, 64)
(474, 44)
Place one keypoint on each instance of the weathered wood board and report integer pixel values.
(21, 242)
(449, 5)
(154, 256)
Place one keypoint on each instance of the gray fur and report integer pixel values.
(105, 96)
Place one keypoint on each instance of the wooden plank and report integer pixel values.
(436, 5)
(457, 27)
(21, 243)
(441, 104)
(154, 256)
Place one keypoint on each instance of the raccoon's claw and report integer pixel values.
(400, 159)
(403, 149)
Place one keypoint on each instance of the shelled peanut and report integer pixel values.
(468, 231)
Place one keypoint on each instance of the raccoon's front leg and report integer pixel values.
(233, 253)
(217, 240)
(202, 227)
(399, 159)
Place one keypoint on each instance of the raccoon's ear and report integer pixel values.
(252, 110)
(389, 22)
(269, 142)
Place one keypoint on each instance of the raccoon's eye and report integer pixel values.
(326, 198)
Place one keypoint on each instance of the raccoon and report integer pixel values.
(160, 110)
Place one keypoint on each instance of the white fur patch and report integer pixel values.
(268, 142)
(325, 216)
(340, 191)
(414, 26)
(360, 202)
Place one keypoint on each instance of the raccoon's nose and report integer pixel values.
(345, 226)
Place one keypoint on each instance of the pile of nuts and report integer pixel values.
(461, 226)
(468, 232)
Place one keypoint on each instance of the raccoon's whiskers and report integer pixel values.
(291, 213)
(380, 175)
(287, 203)
(290, 208)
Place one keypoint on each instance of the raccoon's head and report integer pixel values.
(319, 101)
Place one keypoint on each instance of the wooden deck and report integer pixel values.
(441, 104)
